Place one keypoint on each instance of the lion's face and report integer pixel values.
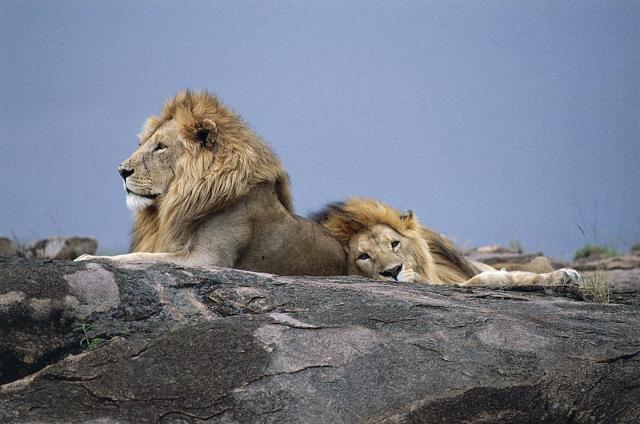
(382, 253)
(149, 171)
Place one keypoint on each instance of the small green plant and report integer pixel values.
(95, 342)
(86, 340)
(595, 286)
(595, 251)
(595, 247)
(84, 328)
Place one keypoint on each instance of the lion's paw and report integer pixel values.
(408, 276)
(566, 276)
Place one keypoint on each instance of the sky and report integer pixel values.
(494, 121)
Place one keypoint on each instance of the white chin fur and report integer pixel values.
(138, 203)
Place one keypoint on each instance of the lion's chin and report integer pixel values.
(137, 203)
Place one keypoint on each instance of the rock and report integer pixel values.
(502, 256)
(494, 254)
(620, 273)
(513, 259)
(624, 285)
(629, 261)
(65, 248)
(539, 265)
(100, 342)
(7, 247)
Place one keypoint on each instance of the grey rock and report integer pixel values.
(7, 247)
(171, 344)
(494, 254)
(512, 259)
(628, 261)
(620, 273)
(624, 285)
(65, 248)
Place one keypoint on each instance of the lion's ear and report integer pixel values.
(206, 133)
(407, 216)
(408, 219)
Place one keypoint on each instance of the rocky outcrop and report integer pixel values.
(621, 275)
(7, 247)
(622, 262)
(96, 342)
(513, 259)
(65, 248)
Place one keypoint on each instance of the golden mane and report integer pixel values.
(207, 177)
(355, 215)
(440, 261)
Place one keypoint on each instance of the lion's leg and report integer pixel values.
(521, 278)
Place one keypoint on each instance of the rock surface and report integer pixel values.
(65, 248)
(512, 259)
(627, 261)
(96, 342)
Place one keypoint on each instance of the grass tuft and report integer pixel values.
(86, 340)
(595, 286)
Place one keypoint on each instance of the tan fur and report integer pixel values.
(380, 241)
(206, 179)
(208, 191)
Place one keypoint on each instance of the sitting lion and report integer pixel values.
(207, 191)
(384, 244)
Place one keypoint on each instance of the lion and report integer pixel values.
(207, 191)
(385, 244)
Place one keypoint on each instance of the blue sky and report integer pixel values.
(494, 121)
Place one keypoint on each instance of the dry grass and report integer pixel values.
(595, 286)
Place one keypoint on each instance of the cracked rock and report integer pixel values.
(100, 343)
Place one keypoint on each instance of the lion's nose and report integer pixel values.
(392, 272)
(125, 172)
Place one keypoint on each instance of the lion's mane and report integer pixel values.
(206, 179)
(439, 260)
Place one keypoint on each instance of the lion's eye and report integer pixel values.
(364, 256)
(395, 244)
(159, 147)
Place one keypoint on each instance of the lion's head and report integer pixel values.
(382, 253)
(381, 242)
(192, 160)
(385, 244)
(150, 170)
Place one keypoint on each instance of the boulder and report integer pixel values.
(100, 342)
(65, 248)
(494, 254)
(7, 247)
(513, 259)
(629, 261)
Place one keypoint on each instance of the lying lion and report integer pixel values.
(384, 244)
(206, 191)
